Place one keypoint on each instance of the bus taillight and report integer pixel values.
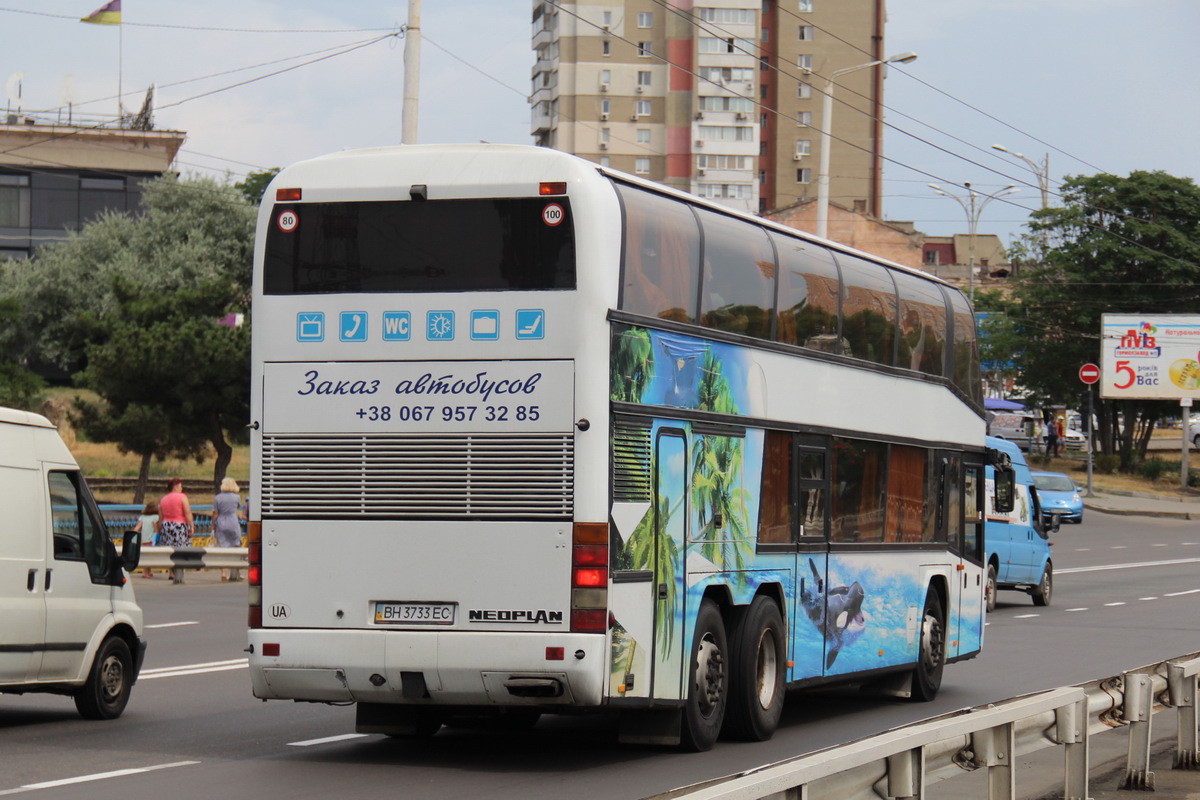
(287, 195)
(589, 577)
(551, 187)
(254, 572)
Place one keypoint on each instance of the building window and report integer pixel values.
(604, 161)
(804, 147)
(605, 77)
(727, 133)
(806, 33)
(804, 62)
(728, 16)
(742, 104)
(805, 5)
(762, 176)
(764, 35)
(931, 257)
(605, 106)
(644, 50)
(709, 44)
(804, 118)
(641, 166)
(643, 136)
(643, 108)
(645, 19)
(804, 91)
(604, 135)
(762, 119)
(727, 74)
(607, 19)
(804, 175)
(14, 201)
(606, 48)
(644, 76)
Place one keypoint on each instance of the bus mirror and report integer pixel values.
(1005, 482)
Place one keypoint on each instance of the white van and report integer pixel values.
(70, 624)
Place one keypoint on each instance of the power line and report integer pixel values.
(128, 23)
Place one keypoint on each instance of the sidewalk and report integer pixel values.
(1143, 505)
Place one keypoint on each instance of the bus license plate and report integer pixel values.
(414, 613)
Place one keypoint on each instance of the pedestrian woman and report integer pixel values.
(147, 526)
(176, 526)
(227, 524)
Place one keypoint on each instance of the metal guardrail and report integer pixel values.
(902, 762)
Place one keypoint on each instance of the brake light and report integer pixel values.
(547, 188)
(254, 572)
(589, 576)
(287, 195)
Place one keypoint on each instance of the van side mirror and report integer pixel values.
(131, 550)
(1005, 486)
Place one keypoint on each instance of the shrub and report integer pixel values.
(1154, 468)
(1107, 463)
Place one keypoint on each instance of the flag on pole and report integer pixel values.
(107, 14)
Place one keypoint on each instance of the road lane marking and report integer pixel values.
(193, 669)
(99, 776)
(1114, 604)
(1128, 566)
(1026, 616)
(327, 740)
(1181, 594)
(1076, 609)
(172, 624)
(1147, 598)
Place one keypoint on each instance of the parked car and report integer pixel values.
(1015, 426)
(1059, 496)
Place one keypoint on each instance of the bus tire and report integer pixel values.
(989, 589)
(931, 650)
(708, 681)
(1045, 588)
(109, 682)
(756, 677)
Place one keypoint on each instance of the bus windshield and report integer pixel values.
(418, 246)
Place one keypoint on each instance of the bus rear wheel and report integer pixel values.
(931, 654)
(756, 680)
(708, 684)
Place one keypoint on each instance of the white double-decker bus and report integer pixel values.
(530, 435)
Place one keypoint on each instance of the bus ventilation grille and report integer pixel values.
(413, 476)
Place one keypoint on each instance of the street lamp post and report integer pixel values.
(826, 127)
(973, 207)
(1042, 171)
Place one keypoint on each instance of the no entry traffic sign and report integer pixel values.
(1089, 373)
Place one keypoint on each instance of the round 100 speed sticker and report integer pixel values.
(553, 214)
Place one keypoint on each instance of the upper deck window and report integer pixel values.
(476, 245)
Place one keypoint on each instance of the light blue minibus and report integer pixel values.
(1016, 542)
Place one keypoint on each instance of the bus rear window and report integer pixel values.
(513, 244)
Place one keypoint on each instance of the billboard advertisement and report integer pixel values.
(1149, 356)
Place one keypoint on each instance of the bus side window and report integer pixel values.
(775, 509)
(808, 295)
(662, 257)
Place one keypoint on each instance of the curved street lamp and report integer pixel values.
(1042, 171)
(826, 113)
(973, 210)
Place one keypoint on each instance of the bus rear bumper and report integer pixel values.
(426, 667)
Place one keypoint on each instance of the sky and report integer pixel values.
(1096, 85)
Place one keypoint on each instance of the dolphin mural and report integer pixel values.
(839, 616)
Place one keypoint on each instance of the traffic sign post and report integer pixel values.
(1089, 374)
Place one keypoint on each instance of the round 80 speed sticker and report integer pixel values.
(553, 214)
(287, 220)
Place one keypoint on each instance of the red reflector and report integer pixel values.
(591, 554)
(284, 195)
(254, 552)
(554, 654)
(591, 620)
(254, 575)
(254, 618)
(271, 649)
(591, 576)
(550, 187)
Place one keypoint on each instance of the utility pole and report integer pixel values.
(973, 210)
(412, 73)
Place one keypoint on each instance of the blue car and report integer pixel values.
(1059, 496)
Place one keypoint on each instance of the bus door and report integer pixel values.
(962, 515)
(670, 538)
(812, 556)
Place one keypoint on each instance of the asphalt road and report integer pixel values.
(1126, 594)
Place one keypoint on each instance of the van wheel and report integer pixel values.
(109, 682)
(756, 681)
(1041, 593)
(931, 652)
(989, 589)
(708, 684)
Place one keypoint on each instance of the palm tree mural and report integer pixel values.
(717, 493)
(649, 534)
(631, 365)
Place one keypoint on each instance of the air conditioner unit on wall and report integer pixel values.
(640, 89)
(797, 157)
(604, 87)
(740, 116)
(604, 145)
(604, 117)
(699, 143)
(633, 117)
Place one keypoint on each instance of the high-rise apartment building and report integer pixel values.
(720, 98)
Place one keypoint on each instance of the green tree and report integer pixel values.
(133, 303)
(254, 186)
(1116, 245)
(19, 387)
